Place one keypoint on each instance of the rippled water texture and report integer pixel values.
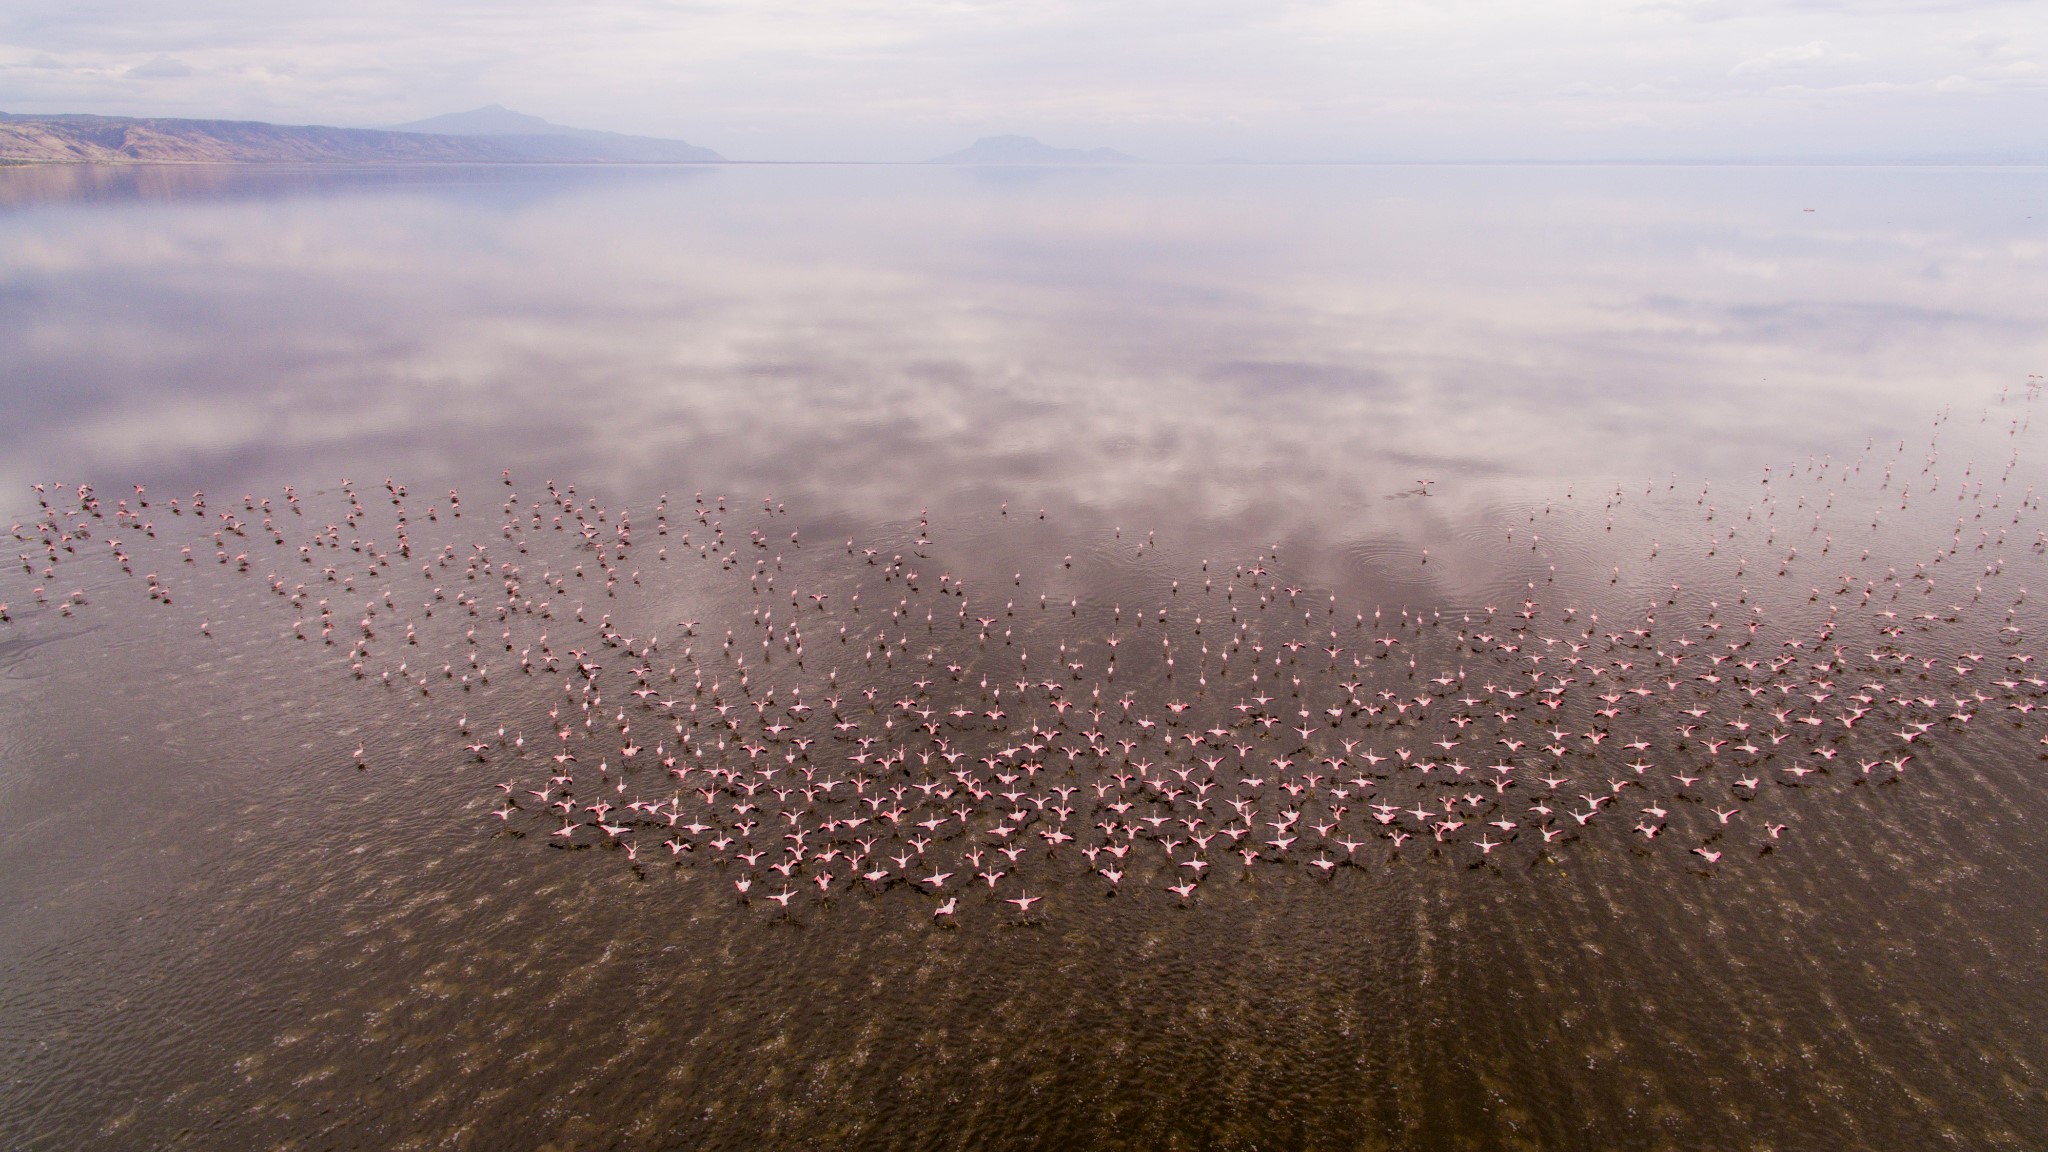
(1666, 770)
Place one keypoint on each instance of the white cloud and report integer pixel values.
(1779, 59)
(1193, 79)
(161, 68)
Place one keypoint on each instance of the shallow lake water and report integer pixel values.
(790, 656)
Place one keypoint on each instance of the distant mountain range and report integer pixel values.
(534, 134)
(1025, 150)
(492, 134)
(485, 135)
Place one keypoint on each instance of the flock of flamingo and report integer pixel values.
(864, 723)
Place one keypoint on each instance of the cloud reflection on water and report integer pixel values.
(1282, 347)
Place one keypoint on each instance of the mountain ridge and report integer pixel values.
(83, 138)
(495, 121)
(1012, 149)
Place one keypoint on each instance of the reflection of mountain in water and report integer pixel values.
(484, 186)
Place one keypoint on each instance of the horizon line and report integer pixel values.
(1974, 159)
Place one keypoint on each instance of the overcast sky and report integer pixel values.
(1161, 79)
